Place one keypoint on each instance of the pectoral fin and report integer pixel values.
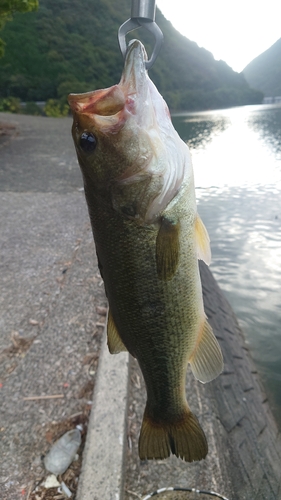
(206, 360)
(114, 342)
(167, 249)
(202, 241)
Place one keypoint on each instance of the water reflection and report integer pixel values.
(232, 153)
(237, 164)
(198, 129)
(267, 124)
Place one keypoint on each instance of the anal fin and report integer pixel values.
(114, 342)
(206, 360)
(167, 249)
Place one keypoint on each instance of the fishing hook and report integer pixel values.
(142, 15)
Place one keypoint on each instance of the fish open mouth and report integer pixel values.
(104, 109)
(106, 102)
(110, 101)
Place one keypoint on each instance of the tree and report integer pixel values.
(8, 8)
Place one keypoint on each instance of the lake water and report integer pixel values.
(237, 165)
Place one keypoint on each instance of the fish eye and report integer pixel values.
(88, 142)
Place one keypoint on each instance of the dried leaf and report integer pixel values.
(101, 310)
(33, 322)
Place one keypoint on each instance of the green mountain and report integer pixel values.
(71, 46)
(7, 10)
(264, 72)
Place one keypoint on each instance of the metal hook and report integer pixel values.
(143, 9)
(142, 15)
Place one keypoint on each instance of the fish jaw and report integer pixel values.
(109, 109)
(101, 110)
(106, 102)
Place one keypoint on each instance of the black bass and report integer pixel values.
(140, 193)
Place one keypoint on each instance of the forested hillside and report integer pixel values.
(8, 8)
(264, 72)
(71, 46)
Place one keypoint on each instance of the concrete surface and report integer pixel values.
(51, 297)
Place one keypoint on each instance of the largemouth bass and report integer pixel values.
(140, 193)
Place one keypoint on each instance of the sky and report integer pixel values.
(235, 32)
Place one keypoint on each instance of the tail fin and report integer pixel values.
(184, 438)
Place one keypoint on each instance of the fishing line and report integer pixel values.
(192, 490)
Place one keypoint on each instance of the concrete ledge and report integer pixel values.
(102, 470)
